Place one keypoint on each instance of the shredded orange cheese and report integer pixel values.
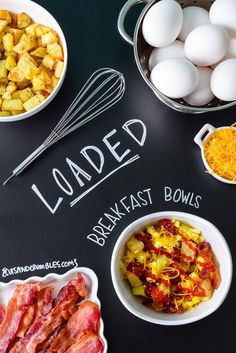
(220, 152)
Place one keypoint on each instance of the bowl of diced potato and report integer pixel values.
(33, 59)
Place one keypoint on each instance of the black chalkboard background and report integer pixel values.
(30, 234)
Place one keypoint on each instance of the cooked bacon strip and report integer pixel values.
(22, 299)
(46, 325)
(80, 286)
(89, 343)
(44, 302)
(84, 320)
(2, 313)
(40, 308)
(26, 321)
(62, 297)
(44, 347)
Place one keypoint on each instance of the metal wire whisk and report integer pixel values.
(104, 88)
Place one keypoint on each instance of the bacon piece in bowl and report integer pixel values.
(85, 319)
(56, 314)
(21, 300)
(89, 343)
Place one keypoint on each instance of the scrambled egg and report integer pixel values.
(163, 239)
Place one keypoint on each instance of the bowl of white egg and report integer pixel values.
(185, 51)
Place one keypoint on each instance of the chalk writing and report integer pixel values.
(127, 204)
(95, 157)
(181, 196)
(38, 267)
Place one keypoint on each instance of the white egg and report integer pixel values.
(223, 82)
(174, 50)
(206, 45)
(223, 12)
(231, 53)
(193, 16)
(203, 93)
(162, 23)
(175, 78)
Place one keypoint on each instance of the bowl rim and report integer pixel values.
(52, 95)
(178, 215)
(183, 108)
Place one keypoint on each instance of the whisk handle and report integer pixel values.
(29, 159)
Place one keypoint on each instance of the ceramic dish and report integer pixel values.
(219, 247)
(42, 16)
(58, 281)
(200, 139)
(142, 51)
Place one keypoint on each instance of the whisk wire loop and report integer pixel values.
(103, 89)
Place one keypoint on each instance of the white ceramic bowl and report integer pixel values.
(42, 16)
(58, 281)
(201, 137)
(223, 256)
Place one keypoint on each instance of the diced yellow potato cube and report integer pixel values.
(208, 289)
(6, 95)
(8, 42)
(139, 290)
(31, 29)
(0, 101)
(133, 279)
(5, 15)
(23, 20)
(48, 61)
(134, 245)
(17, 112)
(47, 76)
(33, 102)
(16, 95)
(55, 81)
(24, 60)
(11, 87)
(59, 68)
(17, 33)
(13, 104)
(3, 70)
(26, 43)
(31, 71)
(38, 83)
(24, 84)
(10, 62)
(4, 113)
(3, 25)
(27, 67)
(48, 89)
(4, 80)
(55, 50)
(10, 53)
(39, 52)
(25, 94)
(16, 75)
(41, 30)
(2, 89)
(49, 38)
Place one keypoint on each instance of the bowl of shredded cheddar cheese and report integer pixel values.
(218, 150)
(171, 268)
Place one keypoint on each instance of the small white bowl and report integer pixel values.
(42, 16)
(201, 137)
(220, 248)
(58, 281)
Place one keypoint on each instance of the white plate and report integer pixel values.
(58, 281)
